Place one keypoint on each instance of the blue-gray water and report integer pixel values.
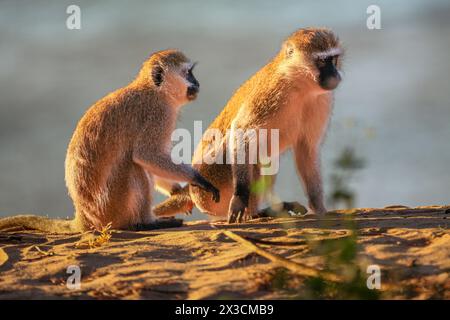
(393, 106)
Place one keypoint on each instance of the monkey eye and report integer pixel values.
(290, 52)
(321, 62)
(335, 60)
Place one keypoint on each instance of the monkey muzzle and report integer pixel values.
(192, 92)
(330, 82)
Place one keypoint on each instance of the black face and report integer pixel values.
(194, 85)
(329, 77)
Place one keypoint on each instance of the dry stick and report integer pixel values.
(276, 243)
(297, 268)
(292, 243)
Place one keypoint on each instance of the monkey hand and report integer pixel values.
(237, 210)
(204, 184)
(189, 208)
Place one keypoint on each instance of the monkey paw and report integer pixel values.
(237, 212)
(188, 209)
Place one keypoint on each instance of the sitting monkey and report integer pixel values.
(121, 148)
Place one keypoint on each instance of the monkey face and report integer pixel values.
(328, 74)
(189, 87)
(177, 81)
(316, 53)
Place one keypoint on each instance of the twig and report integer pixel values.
(43, 253)
(276, 243)
(294, 243)
(295, 267)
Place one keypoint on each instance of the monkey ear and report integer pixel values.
(289, 50)
(157, 75)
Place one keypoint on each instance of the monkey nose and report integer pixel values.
(331, 82)
(192, 91)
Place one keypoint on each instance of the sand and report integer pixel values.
(198, 261)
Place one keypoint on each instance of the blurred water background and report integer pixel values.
(393, 108)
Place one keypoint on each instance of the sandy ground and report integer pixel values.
(198, 261)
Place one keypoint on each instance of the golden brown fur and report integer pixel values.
(283, 95)
(120, 149)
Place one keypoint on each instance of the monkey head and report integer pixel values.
(171, 73)
(315, 52)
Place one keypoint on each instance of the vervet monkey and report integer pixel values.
(292, 93)
(121, 149)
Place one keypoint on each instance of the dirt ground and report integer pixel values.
(198, 261)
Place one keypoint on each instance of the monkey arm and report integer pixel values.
(160, 164)
(152, 154)
(307, 160)
(241, 176)
(241, 194)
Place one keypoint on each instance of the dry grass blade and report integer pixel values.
(295, 267)
(97, 241)
(43, 253)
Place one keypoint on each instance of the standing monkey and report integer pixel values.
(121, 149)
(292, 93)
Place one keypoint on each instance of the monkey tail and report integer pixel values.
(32, 222)
(179, 202)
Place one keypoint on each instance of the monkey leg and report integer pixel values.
(133, 205)
(147, 220)
(178, 202)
